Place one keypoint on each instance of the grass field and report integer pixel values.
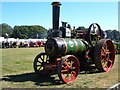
(17, 72)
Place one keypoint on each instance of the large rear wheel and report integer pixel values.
(104, 55)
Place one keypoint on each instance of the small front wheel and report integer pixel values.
(68, 69)
(39, 64)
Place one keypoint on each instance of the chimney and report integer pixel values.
(56, 12)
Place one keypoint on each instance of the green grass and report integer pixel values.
(17, 72)
(18, 59)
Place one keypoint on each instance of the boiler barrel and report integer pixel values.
(62, 46)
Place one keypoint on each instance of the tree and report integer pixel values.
(113, 34)
(5, 30)
(25, 32)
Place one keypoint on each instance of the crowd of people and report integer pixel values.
(21, 43)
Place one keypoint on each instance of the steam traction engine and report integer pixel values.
(66, 51)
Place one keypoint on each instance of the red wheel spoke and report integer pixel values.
(71, 64)
(103, 50)
(108, 52)
(103, 54)
(63, 66)
(105, 65)
(110, 61)
(112, 51)
(66, 63)
(62, 71)
(107, 59)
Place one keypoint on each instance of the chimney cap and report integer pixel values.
(64, 22)
(56, 3)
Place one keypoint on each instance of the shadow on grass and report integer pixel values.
(38, 80)
(45, 80)
(86, 69)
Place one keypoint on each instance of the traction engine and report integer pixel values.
(67, 50)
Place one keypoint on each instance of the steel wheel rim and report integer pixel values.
(107, 55)
(69, 69)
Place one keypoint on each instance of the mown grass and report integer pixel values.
(17, 72)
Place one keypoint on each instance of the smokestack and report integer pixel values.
(56, 12)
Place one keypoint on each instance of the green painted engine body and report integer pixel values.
(62, 46)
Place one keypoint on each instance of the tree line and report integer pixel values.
(37, 31)
(23, 32)
(113, 35)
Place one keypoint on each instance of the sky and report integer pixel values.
(75, 13)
